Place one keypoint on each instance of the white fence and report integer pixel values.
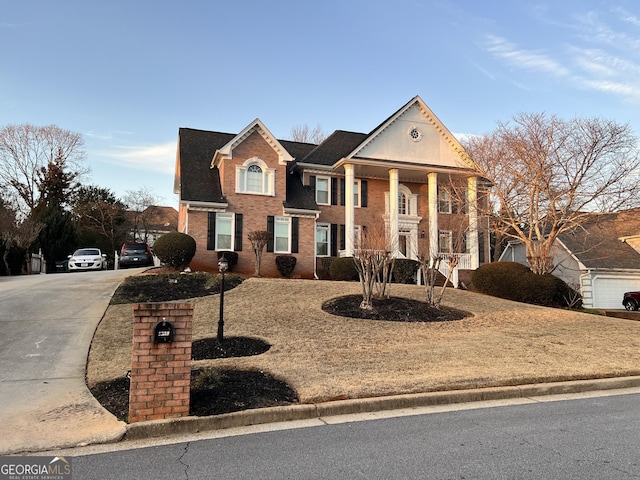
(38, 263)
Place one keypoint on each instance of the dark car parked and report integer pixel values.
(135, 254)
(631, 300)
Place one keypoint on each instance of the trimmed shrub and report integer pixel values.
(404, 270)
(232, 258)
(513, 281)
(324, 267)
(285, 264)
(175, 249)
(343, 268)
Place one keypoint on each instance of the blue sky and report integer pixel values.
(128, 74)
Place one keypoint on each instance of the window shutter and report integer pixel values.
(342, 191)
(342, 237)
(334, 239)
(334, 191)
(312, 182)
(270, 229)
(238, 239)
(294, 234)
(364, 193)
(211, 231)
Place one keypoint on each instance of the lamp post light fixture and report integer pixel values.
(223, 266)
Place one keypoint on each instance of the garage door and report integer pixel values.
(608, 289)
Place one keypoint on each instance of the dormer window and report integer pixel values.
(254, 177)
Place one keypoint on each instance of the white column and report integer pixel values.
(349, 210)
(472, 194)
(394, 228)
(433, 214)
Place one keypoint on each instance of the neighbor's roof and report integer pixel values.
(597, 242)
(162, 218)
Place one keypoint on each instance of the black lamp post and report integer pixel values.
(223, 266)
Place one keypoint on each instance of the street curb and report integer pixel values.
(189, 425)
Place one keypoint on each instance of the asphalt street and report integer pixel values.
(591, 438)
(47, 324)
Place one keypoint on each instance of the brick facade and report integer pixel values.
(296, 167)
(160, 372)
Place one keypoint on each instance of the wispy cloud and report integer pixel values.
(530, 60)
(159, 158)
(109, 135)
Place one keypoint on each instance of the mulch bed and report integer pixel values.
(394, 309)
(210, 348)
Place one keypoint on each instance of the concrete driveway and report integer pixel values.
(47, 323)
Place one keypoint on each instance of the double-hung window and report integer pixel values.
(323, 240)
(224, 231)
(444, 201)
(356, 193)
(282, 234)
(445, 241)
(322, 190)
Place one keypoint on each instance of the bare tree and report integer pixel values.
(302, 133)
(374, 263)
(453, 238)
(258, 241)
(25, 150)
(549, 174)
(138, 203)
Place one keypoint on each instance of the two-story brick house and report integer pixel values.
(315, 200)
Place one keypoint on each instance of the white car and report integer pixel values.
(87, 259)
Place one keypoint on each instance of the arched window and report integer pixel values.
(254, 179)
(403, 204)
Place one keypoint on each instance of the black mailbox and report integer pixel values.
(163, 332)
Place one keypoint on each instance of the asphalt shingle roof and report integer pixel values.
(336, 146)
(199, 182)
(597, 242)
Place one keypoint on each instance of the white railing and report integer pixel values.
(464, 263)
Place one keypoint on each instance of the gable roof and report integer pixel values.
(430, 117)
(226, 150)
(599, 243)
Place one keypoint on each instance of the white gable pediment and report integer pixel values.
(414, 135)
(255, 126)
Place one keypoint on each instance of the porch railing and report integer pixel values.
(464, 263)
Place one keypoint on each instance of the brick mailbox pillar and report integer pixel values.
(161, 362)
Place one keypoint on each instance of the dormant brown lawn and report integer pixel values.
(325, 357)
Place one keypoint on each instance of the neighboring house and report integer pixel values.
(601, 258)
(315, 200)
(153, 222)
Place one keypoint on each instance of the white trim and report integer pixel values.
(227, 217)
(282, 220)
(433, 214)
(349, 210)
(325, 226)
(268, 177)
(328, 180)
(226, 152)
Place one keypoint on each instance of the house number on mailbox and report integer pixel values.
(163, 332)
